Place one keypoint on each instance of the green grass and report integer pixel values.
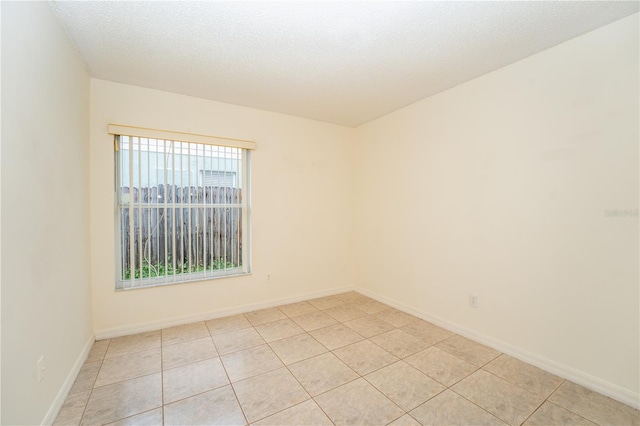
(148, 270)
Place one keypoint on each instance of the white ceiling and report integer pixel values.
(340, 62)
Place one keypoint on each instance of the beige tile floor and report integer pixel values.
(338, 360)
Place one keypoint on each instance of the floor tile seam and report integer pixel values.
(295, 405)
(396, 326)
(369, 372)
(407, 356)
(162, 376)
(195, 394)
(286, 318)
(326, 307)
(360, 341)
(246, 419)
(212, 335)
(131, 353)
(86, 404)
(406, 411)
(562, 382)
(522, 387)
(569, 410)
(307, 332)
(558, 404)
(122, 381)
(291, 317)
(188, 324)
(457, 335)
(483, 409)
(322, 409)
(534, 411)
(270, 370)
(191, 363)
(129, 378)
(245, 349)
(330, 349)
(400, 358)
(281, 338)
(457, 356)
(208, 336)
(215, 347)
(342, 321)
(137, 414)
(307, 358)
(343, 346)
(240, 350)
(416, 420)
(189, 341)
(313, 398)
(93, 382)
(369, 337)
(430, 342)
(346, 305)
(279, 411)
(333, 388)
(291, 372)
(544, 399)
(452, 384)
(267, 322)
(327, 326)
(168, 345)
(105, 350)
(385, 396)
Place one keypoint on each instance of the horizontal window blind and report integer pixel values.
(176, 223)
(143, 132)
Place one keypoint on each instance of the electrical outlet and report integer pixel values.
(473, 300)
(268, 278)
(40, 366)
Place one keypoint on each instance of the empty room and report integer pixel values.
(320, 213)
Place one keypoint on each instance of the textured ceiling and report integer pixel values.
(340, 62)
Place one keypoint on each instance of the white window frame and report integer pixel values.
(121, 203)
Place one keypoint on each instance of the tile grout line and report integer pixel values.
(94, 382)
(306, 332)
(343, 304)
(563, 407)
(233, 389)
(295, 378)
(502, 378)
(312, 398)
(162, 376)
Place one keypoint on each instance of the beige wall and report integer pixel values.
(499, 187)
(302, 188)
(45, 210)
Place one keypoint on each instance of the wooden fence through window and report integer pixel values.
(188, 227)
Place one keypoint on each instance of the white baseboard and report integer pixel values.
(601, 386)
(204, 316)
(51, 415)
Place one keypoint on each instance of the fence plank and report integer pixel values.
(202, 234)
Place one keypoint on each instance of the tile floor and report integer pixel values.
(337, 360)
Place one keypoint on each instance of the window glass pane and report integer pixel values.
(181, 212)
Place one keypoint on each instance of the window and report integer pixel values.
(182, 208)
